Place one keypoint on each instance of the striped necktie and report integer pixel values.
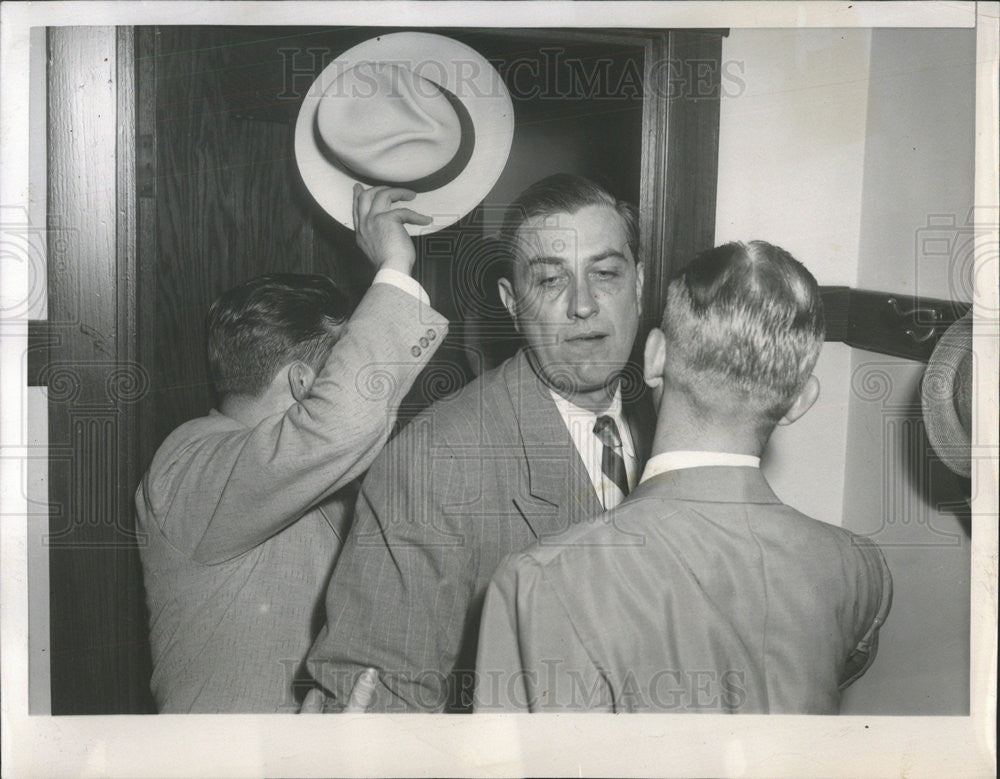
(612, 461)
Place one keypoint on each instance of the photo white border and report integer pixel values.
(442, 745)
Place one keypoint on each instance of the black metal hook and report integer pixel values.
(916, 315)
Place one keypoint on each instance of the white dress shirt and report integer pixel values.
(676, 460)
(580, 424)
(402, 281)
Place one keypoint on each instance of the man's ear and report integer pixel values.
(509, 300)
(300, 380)
(640, 277)
(654, 358)
(804, 401)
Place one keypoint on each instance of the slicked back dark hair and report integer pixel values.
(744, 321)
(263, 324)
(562, 193)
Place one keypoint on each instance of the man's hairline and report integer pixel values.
(676, 347)
(333, 331)
(608, 254)
(515, 262)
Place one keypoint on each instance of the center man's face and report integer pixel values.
(576, 298)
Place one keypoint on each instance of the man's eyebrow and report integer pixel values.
(610, 254)
(545, 261)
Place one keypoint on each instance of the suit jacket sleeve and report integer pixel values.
(530, 655)
(874, 583)
(501, 682)
(399, 597)
(225, 494)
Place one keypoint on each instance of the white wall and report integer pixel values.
(918, 175)
(910, 505)
(804, 474)
(853, 150)
(35, 410)
(791, 165)
(791, 145)
(919, 164)
(36, 415)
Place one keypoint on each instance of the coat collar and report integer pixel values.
(559, 488)
(710, 484)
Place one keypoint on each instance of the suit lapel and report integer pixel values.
(559, 488)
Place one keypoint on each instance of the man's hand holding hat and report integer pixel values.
(380, 229)
(406, 109)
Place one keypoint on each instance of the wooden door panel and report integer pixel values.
(100, 659)
(174, 179)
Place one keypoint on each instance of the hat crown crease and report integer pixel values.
(373, 137)
(447, 185)
(424, 122)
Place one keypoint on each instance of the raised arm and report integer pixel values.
(230, 492)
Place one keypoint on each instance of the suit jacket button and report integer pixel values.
(424, 342)
(432, 334)
(415, 351)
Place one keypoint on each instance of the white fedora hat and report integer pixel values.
(408, 109)
(946, 396)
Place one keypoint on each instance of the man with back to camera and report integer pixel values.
(703, 592)
(242, 508)
(544, 440)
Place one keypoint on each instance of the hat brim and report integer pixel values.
(452, 65)
(951, 442)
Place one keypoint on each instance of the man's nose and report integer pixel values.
(582, 303)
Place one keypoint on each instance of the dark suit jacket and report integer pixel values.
(471, 479)
(700, 592)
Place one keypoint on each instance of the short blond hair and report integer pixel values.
(744, 325)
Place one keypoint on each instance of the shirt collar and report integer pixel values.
(678, 460)
(580, 419)
(569, 409)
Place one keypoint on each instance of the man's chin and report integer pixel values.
(571, 377)
(569, 385)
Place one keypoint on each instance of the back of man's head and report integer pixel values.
(268, 322)
(743, 326)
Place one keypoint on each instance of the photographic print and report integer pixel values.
(404, 388)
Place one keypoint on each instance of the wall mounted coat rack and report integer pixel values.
(888, 323)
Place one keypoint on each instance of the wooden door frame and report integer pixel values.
(85, 354)
(680, 135)
(86, 351)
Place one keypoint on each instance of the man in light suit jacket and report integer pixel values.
(519, 454)
(702, 591)
(245, 509)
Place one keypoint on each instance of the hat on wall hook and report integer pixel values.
(946, 392)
